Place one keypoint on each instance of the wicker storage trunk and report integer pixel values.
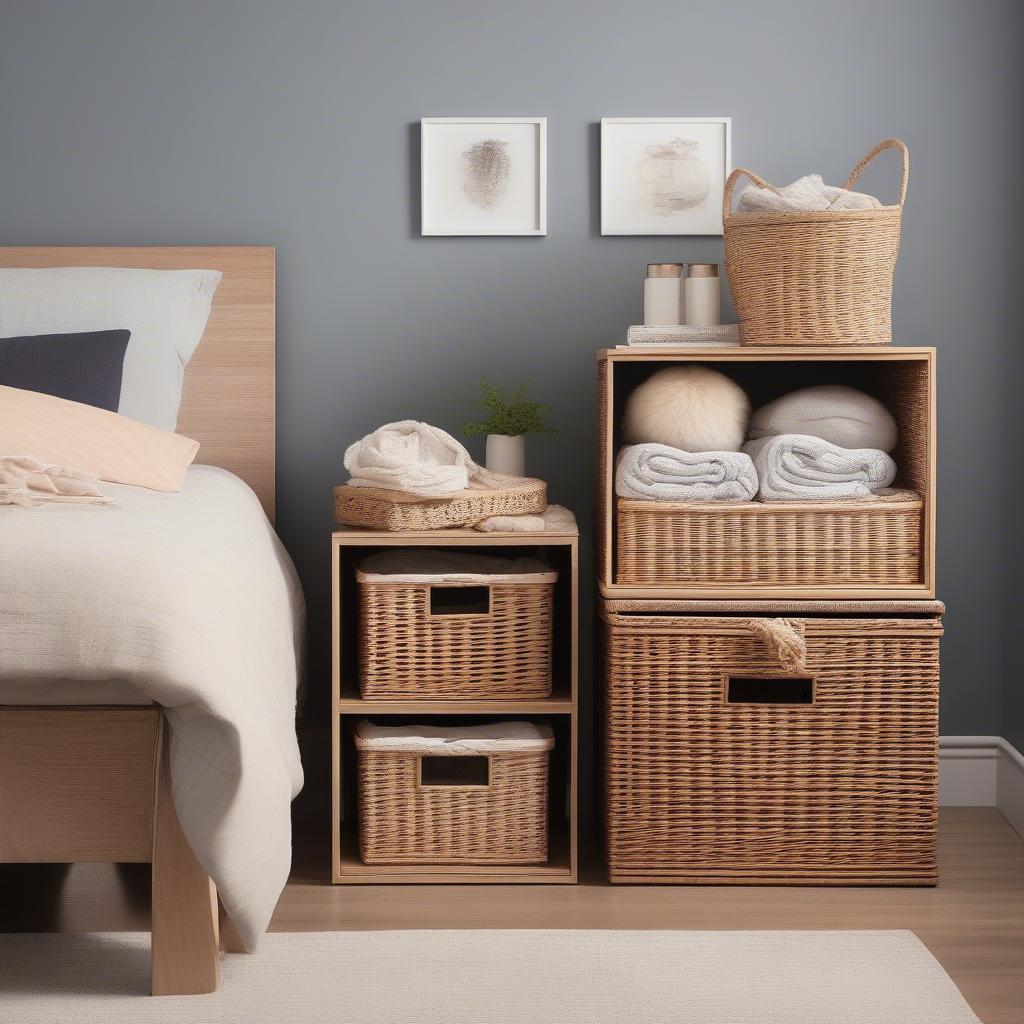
(814, 278)
(749, 748)
(450, 625)
(445, 807)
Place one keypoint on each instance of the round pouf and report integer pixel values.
(693, 408)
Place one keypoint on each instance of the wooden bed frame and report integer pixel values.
(92, 783)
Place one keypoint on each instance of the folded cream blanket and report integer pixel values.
(27, 482)
(416, 458)
(554, 519)
(798, 467)
(660, 473)
(494, 737)
(809, 193)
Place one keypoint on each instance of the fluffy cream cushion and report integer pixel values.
(836, 413)
(109, 446)
(693, 408)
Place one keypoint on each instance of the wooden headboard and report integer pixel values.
(228, 402)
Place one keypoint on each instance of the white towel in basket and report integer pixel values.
(492, 738)
(658, 472)
(808, 193)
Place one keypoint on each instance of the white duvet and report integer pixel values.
(191, 598)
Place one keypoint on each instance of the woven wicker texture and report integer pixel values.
(821, 278)
(403, 822)
(661, 544)
(380, 509)
(408, 653)
(839, 791)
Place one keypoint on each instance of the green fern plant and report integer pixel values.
(513, 416)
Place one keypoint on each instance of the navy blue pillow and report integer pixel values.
(79, 367)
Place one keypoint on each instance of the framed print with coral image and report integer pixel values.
(483, 175)
(664, 175)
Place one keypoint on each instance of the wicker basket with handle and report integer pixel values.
(449, 625)
(814, 278)
(751, 750)
(465, 804)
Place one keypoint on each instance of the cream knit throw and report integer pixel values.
(416, 458)
(27, 482)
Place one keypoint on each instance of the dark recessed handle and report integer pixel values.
(461, 771)
(469, 600)
(770, 690)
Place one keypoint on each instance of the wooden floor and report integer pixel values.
(973, 922)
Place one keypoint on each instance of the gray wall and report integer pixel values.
(294, 123)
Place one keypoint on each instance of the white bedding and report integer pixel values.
(190, 599)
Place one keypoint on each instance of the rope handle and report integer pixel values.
(784, 639)
(739, 172)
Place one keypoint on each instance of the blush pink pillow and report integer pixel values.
(112, 447)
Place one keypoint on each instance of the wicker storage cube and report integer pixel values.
(793, 550)
(814, 278)
(756, 749)
(426, 798)
(448, 625)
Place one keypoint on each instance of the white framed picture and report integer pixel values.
(664, 175)
(483, 175)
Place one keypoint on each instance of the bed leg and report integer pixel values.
(230, 940)
(185, 955)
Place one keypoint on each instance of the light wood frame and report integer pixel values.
(562, 708)
(608, 359)
(93, 783)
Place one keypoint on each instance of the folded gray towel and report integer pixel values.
(657, 472)
(798, 467)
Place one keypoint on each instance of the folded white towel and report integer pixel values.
(27, 482)
(416, 458)
(659, 473)
(809, 193)
(494, 737)
(798, 467)
(555, 519)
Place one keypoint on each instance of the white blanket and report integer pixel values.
(658, 472)
(30, 483)
(191, 598)
(416, 458)
(808, 193)
(798, 467)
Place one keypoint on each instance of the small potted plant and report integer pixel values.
(509, 421)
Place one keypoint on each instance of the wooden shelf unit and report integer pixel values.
(619, 369)
(348, 546)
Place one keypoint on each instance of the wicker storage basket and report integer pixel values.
(424, 807)
(442, 625)
(815, 278)
(762, 750)
(816, 545)
(381, 509)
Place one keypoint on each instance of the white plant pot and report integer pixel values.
(506, 454)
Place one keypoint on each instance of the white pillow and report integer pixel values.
(165, 311)
(836, 413)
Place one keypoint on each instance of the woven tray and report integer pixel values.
(380, 509)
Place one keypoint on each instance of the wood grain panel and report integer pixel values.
(228, 402)
(76, 784)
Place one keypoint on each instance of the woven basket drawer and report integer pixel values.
(404, 821)
(771, 544)
(723, 765)
(478, 637)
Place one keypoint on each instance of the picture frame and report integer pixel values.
(483, 176)
(664, 175)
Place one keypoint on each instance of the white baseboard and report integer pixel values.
(982, 771)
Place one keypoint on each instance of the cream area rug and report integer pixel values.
(496, 977)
